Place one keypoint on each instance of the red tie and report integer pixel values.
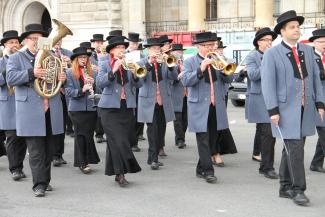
(158, 96)
(123, 96)
(295, 54)
(323, 58)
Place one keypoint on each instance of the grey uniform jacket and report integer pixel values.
(319, 122)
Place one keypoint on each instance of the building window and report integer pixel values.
(211, 9)
(277, 6)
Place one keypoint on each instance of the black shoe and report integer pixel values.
(100, 139)
(286, 193)
(49, 188)
(160, 164)
(221, 164)
(271, 174)
(300, 199)
(141, 138)
(39, 192)
(56, 162)
(317, 169)
(210, 179)
(16, 175)
(154, 166)
(22, 174)
(181, 145)
(62, 161)
(85, 169)
(120, 179)
(136, 149)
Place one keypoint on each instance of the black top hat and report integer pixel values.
(153, 42)
(114, 33)
(34, 28)
(11, 34)
(134, 37)
(287, 17)
(164, 38)
(79, 51)
(220, 45)
(113, 42)
(214, 35)
(97, 37)
(263, 32)
(177, 47)
(219, 38)
(204, 37)
(87, 45)
(318, 33)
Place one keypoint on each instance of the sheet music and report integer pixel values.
(134, 56)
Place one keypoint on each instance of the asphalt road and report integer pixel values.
(172, 191)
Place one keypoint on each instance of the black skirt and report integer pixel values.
(85, 151)
(118, 125)
(2, 143)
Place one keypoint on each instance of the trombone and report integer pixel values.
(219, 63)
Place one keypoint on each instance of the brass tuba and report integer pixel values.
(50, 85)
(219, 63)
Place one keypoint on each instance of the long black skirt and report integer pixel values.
(2, 143)
(118, 125)
(85, 151)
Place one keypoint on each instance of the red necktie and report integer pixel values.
(295, 54)
(211, 86)
(123, 96)
(323, 58)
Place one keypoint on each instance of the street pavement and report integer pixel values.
(172, 191)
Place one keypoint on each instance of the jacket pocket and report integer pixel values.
(20, 98)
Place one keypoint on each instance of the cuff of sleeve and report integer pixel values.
(320, 105)
(111, 76)
(274, 111)
(31, 74)
(199, 73)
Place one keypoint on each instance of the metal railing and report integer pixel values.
(312, 18)
(166, 26)
(232, 23)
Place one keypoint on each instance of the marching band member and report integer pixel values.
(206, 105)
(79, 86)
(38, 119)
(15, 146)
(116, 108)
(318, 39)
(292, 88)
(155, 102)
(256, 109)
(179, 95)
(64, 55)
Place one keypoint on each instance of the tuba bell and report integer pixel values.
(219, 63)
(50, 85)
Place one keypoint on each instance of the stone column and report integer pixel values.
(196, 14)
(264, 13)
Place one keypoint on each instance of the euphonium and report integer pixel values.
(219, 63)
(50, 85)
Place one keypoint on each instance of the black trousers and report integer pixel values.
(16, 150)
(139, 126)
(133, 133)
(156, 133)
(257, 141)
(67, 121)
(2, 143)
(292, 171)
(204, 139)
(318, 159)
(99, 128)
(180, 123)
(267, 147)
(40, 150)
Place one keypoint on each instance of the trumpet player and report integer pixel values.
(255, 105)
(155, 101)
(116, 108)
(38, 119)
(206, 103)
(15, 146)
(179, 95)
(79, 86)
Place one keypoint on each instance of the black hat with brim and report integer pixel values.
(318, 33)
(34, 28)
(164, 39)
(153, 42)
(114, 33)
(87, 45)
(177, 47)
(113, 42)
(287, 17)
(220, 45)
(11, 34)
(134, 37)
(97, 37)
(204, 37)
(140, 47)
(263, 32)
(79, 51)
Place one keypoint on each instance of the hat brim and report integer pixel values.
(4, 40)
(156, 44)
(110, 37)
(111, 46)
(93, 40)
(278, 27)
(259, 36)
(73, 56)
(133, 40)
(178, 49)
(202, 41)
(313, 38)
(169, 40)
(25, 34)
(222, 47)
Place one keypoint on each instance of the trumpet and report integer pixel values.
(136, 69)
(219, 63)
(170, 59)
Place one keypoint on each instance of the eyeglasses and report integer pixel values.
(208, 45)
(82, 57)
(266, 40)
(32, 38)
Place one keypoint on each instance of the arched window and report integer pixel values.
(211, 9)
